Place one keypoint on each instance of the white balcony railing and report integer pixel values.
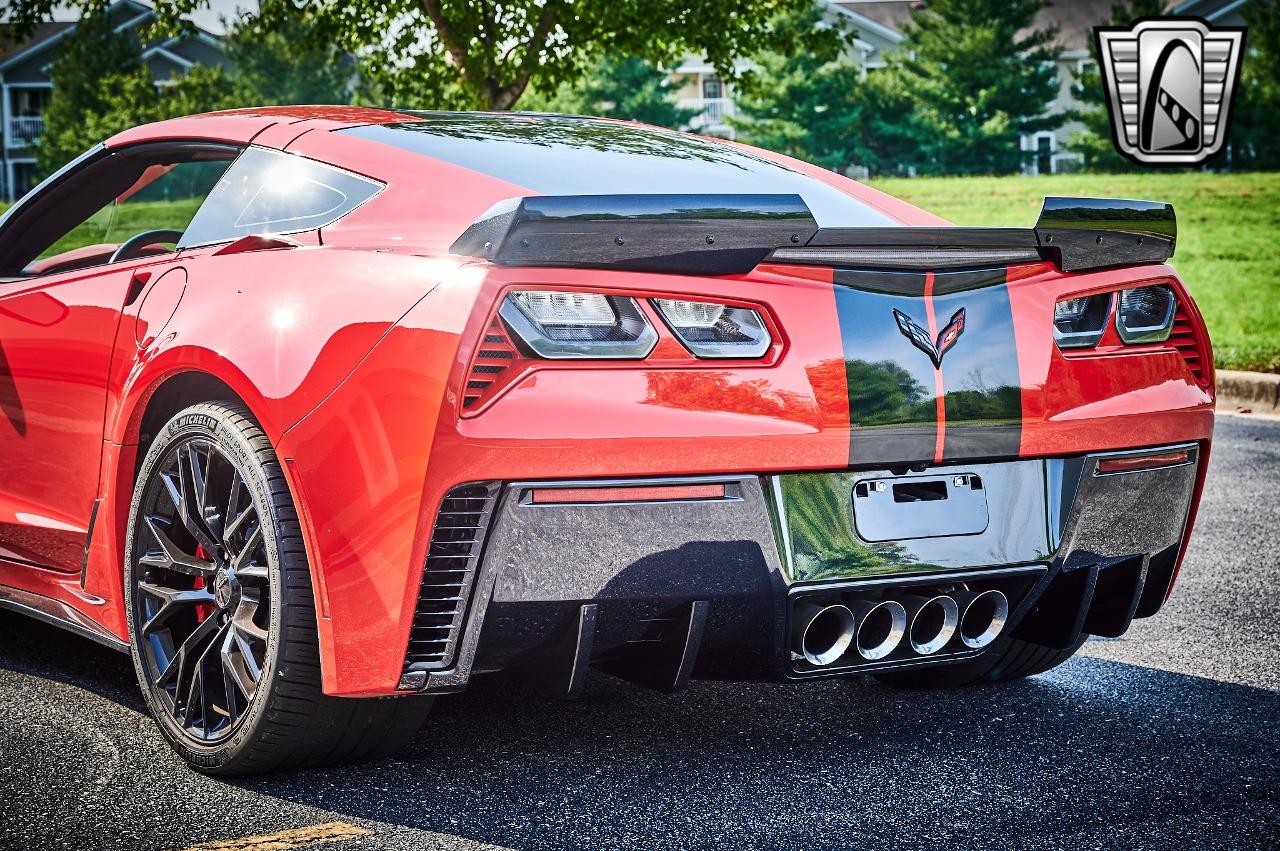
(24, 130)
(711, 111)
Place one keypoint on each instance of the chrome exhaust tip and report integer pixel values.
(982, 617)
(822, 634)
(931, 622)
(880, 627)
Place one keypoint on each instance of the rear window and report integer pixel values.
(564, 155)
(268, 191)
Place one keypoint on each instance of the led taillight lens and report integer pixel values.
(575, 325)
(1078, 323)
(712, 330)
(1145, 315)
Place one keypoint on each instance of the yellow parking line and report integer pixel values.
(285, 840)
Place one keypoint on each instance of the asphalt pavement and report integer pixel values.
(1168, 737)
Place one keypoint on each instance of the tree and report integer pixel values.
(1095, 143)
(484, 54)
(981, 77)
(278, 60)
(93, 54)
(1255, 131)
(625, 87)
(101, 86)
(805, 103)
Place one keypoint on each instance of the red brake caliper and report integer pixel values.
(203, 610)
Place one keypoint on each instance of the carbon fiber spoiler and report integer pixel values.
(732, 234)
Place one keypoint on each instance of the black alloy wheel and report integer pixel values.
(221, 614)
(202, 589)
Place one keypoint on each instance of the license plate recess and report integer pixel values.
(900, 508)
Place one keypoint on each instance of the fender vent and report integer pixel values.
(449, 573)
(1183, 338)
(490, 366)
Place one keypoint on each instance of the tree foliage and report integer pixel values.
(980, 76)
(485, 54)
(970, 79)
(1094, 142)
(625, 87)
(806, 103)
(278, 60)
(1255, 130)
(101, 86)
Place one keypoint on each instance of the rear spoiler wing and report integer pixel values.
(732, 234)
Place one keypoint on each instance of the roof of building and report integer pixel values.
(124, 14)
(44, 31)
(1075, 19)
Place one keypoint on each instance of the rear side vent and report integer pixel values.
(1183, 338)
(449, 573)
(491, 366)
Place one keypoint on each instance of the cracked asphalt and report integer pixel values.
(1167, 737)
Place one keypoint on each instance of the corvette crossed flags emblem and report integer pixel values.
(920, 338)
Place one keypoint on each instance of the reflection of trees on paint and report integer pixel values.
(977, 401)
(819, 513)
(831, 389)
(551, 131)
(714, 391)
(884, 393)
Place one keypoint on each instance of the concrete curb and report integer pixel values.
(1258, 391)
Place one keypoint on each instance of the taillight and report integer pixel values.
(1079, 323)
(575, 325)
(712, 330)
(1145, 315)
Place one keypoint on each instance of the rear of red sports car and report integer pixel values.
(421, 396)
(690, 409)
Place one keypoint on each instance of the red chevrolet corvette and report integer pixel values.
(320, 412)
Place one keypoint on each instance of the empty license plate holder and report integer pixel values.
(899, 508)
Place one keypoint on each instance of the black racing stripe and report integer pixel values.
(983, 401)
(945, 283)
(892, 406)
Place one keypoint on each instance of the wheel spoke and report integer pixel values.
(179, 667)
(171, 599)
(232, 518)
(254, 571)
(171, 557)
(242, 620)
(199, 687)
(241, 560)
(189, 497)
(244, 675)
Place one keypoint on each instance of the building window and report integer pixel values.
(28, 102)
(712, 88)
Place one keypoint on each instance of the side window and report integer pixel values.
(165, 196)
(110, 205)
(271, 192)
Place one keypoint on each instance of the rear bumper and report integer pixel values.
(658, 590)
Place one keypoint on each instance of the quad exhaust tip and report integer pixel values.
(931, 622)
(880, 627)
(823, 633)
(982, 617)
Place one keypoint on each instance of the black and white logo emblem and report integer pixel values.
(1169, 83)
(920, 338)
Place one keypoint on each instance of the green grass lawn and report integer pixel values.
(1228, 237)
(1228, 250)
